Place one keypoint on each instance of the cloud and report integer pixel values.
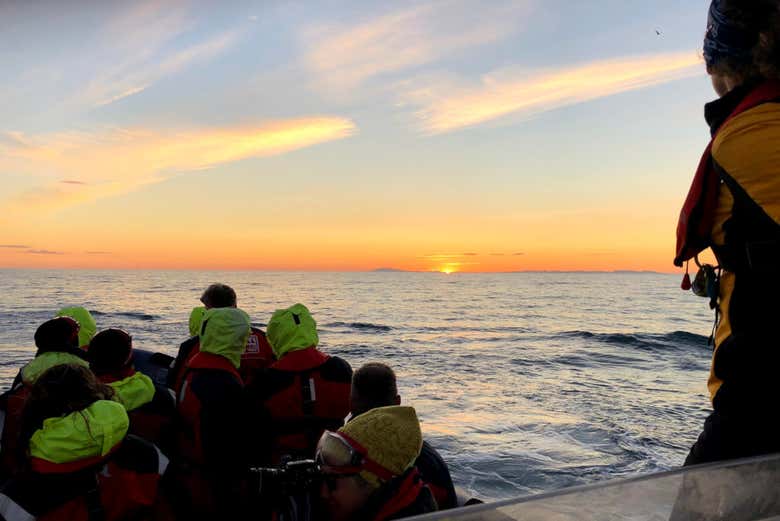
(136, 74)
(44, 252)
(98, 252)
(446, 104)
(121, 160)
(343, 56)
(72, 182)
(470, 254)
(518, 254)
(14, 246)
(13, 139)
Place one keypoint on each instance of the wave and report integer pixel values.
(646, 341)
(127, 314)
(363, 326)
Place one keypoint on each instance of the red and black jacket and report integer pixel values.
(301, 395)
(154, 421)
(257, 355)
(11, 405)
(404, 496)
(120, 486)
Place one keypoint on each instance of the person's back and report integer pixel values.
(211, 410)
(81, 463)
(151, 408)
(734, 208)
(374, 385)
(304, 392)
(57, 343)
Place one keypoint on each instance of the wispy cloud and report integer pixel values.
(121, 160)
(44, 252)
(345, 55)
(447, 104)
(98, 252)
(72, 182)
(14, 246)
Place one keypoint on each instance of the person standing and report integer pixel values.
(733, 208)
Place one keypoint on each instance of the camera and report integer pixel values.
(291, 478)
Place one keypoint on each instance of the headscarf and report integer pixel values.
(725, 39)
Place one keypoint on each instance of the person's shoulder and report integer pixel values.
(141, 456)
(747, 144)
(336, 369)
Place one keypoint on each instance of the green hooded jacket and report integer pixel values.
(87, 325)
(291, 329)
(45, 361)
(196, 319)
(225, 333)
(91, 432)
(134, 391)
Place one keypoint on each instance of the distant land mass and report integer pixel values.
(388, 270)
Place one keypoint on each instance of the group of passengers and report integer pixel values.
(87, 436)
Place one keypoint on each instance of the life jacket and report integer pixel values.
(436, 475)
(405, 496)
(189, 404)
(734, 208)
(207, 484)
(257, 355)
(84, 467)
(303, 394)
(12, 402)
(151, 408)
(694, 227)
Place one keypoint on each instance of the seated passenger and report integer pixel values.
(151, 408)
(257, 353)
(304, 392)
(57, 342)
(80, 464)
(374, 385)
(368, 468)
(87, 325)
(212, 459)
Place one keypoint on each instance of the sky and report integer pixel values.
(435, 135)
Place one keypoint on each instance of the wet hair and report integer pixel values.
(373, 385)
(110, 351)
(219, 296)
(58, 334)
(760, 18)
(59, 391)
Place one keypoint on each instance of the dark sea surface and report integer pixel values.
(525, 382)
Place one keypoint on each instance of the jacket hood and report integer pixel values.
(45, 361)
(224, 333)
(87, 324)
(91, 432)
(196, 319)
(291, 329)
(134, 391)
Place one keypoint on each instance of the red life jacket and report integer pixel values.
(694, 228)
(257, 355)
(11, 405)
(189, 407)
(304, 393)
(412, 497)
(121, 485)
(153, 420)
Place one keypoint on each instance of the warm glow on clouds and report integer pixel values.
(78, 167)
(448, 105)
(344, 56)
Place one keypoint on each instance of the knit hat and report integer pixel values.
(291, 329)
(109, 351)
(58, 334)
(85, 320)
(391, 435)
(196, 319)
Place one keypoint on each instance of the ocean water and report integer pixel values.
(524, 382)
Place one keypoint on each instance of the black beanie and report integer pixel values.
(58, 334)
(109, 351)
